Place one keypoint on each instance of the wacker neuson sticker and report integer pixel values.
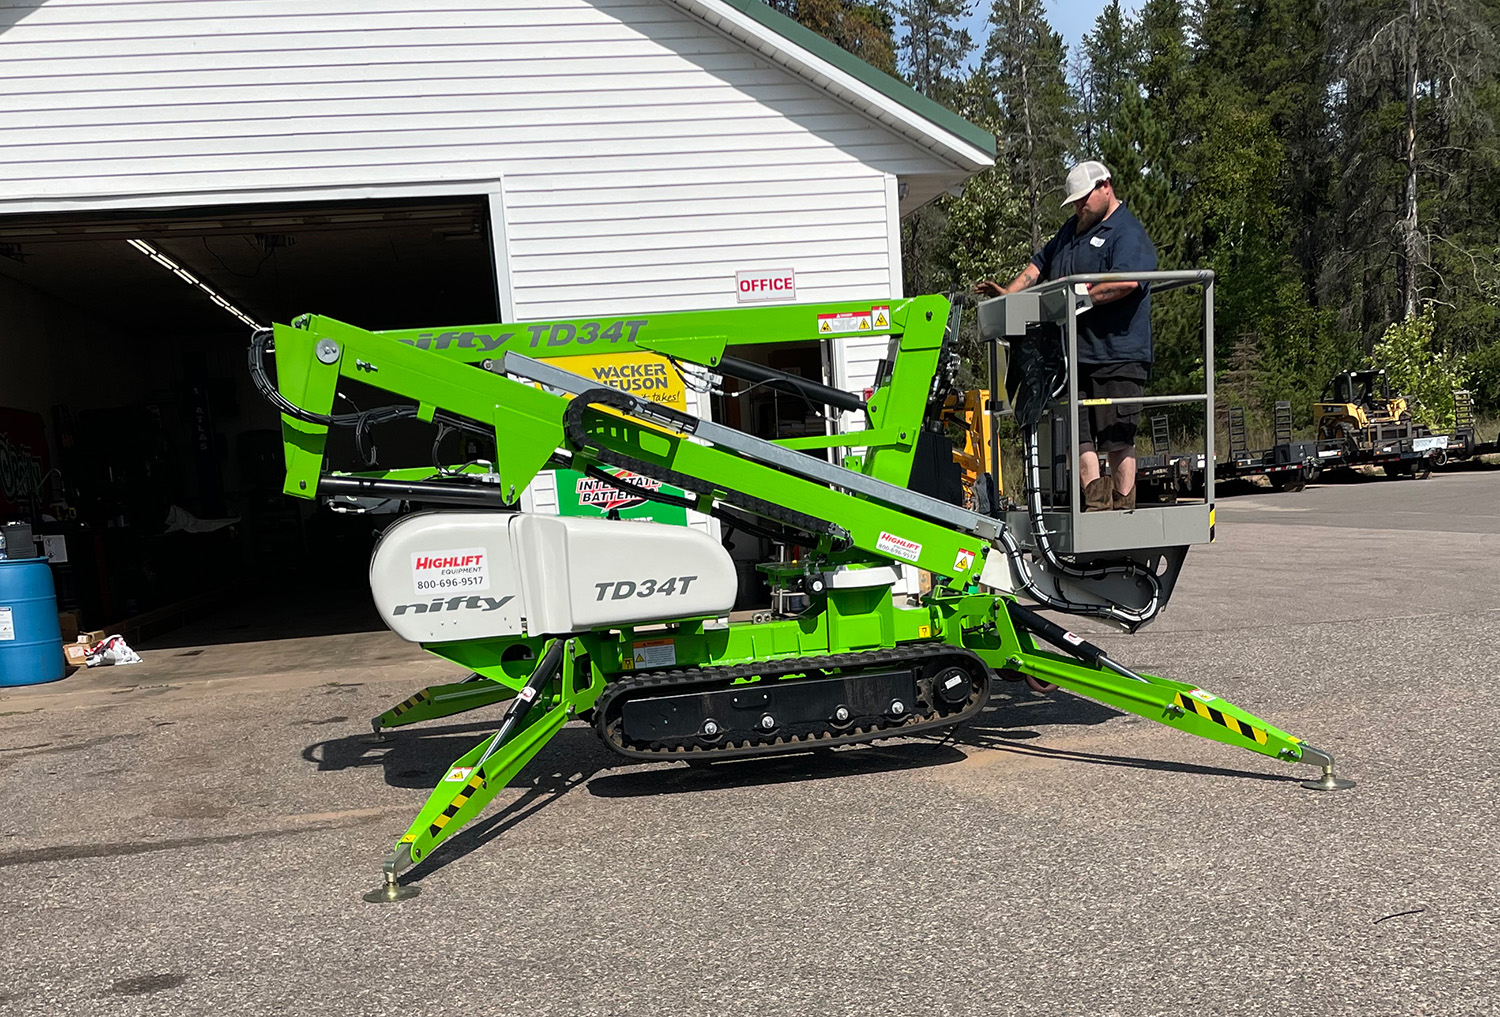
(466, 568)
(898, 546)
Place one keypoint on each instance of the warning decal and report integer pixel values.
(466, 570)
(845, 322)
(963, 561)
(7, 624)
(459, 774)
(898, 547)
(654, 653)
(1190, 704)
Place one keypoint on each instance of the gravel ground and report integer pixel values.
(191, 835)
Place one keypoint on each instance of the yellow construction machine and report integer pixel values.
(1358, 409)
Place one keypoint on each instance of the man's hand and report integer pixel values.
(990, 288)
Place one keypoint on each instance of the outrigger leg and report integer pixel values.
(437, 701)
(1092, 673)
(480, 773)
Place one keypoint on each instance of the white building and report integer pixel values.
(395, 164)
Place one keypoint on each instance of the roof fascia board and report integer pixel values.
(872, 92)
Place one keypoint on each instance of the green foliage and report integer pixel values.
(1418, 369)
(934, 46)
(1482, 367)
(1034, 117)
(866, 29)
(1261, 138)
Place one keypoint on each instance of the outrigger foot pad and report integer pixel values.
(391, 891)
(1327, 782)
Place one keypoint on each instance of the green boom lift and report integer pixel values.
(622, 624)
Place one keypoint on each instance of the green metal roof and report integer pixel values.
(856, 68)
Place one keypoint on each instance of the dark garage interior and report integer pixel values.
(130, 427)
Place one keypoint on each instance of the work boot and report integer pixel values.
(1124, 502)
(1097, 495)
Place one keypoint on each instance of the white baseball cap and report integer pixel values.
(1083, 178)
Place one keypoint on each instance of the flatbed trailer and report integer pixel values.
(1464, 444)
(1290, 465)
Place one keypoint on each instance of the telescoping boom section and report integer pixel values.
(623, 624)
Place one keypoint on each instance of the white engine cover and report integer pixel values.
(442, 576)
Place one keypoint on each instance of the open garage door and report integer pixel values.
(128, 414)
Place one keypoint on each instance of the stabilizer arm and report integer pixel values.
(1089, 671)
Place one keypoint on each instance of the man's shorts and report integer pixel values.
(1112, 427)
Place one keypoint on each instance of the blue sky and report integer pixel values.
(1070, 18)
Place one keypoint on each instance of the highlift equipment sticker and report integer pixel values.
(458, 774)
(963, 561)
(876, 319)
(900, 547)
(464, 570)
(654, 653)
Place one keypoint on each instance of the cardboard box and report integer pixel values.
(77, 654)
(91, 637)
(68, 622)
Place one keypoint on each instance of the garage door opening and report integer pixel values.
(124, 395)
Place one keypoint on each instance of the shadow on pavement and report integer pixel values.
(794, 767)
(418, 757)
(1005, 726)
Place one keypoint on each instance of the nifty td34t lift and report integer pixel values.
(621, 624)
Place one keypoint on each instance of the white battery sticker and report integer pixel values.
(1207, 697)
(462, 570)
(845, 322)
(527, 694)
(458, 774)
(1075, 640)
(900, 547)
(7, 624)
(654, 653)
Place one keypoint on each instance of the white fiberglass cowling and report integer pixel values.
(443, 576)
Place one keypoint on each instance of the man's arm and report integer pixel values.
(1104, 293)
(1030, 276)
(1132, 252)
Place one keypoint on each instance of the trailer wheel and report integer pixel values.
(1422, 469)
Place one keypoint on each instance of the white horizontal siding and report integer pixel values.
(107, 100)
(645, 157)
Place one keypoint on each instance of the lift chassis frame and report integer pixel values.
(484, 378)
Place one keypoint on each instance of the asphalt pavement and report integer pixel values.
(192, 835)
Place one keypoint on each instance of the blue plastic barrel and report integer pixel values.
(30, 640)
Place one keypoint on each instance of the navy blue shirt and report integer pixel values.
(1120, 331)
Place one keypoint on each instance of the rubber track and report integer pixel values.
(578, 436)
(686, 679)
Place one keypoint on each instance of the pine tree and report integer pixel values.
(933, 47)
(1025, 61)
(865, 29)
(1111, 49)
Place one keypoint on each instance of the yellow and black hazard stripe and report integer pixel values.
(1202, 709)
(416, 700)
(442, 820)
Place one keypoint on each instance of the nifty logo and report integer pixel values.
(456, 604)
